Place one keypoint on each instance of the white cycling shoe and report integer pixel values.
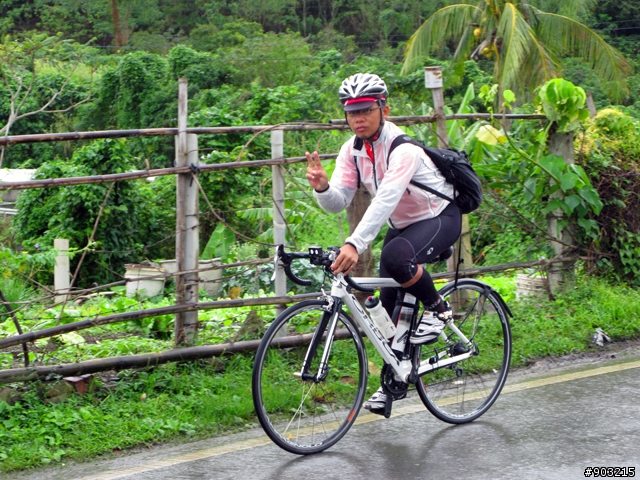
(431, 325)
(378, 400)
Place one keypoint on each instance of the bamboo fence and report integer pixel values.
(187, 353)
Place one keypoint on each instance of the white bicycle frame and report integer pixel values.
(402, 368)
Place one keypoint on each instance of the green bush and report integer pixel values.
(612, 159)
(131, 225)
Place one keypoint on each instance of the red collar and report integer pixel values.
(369, 148)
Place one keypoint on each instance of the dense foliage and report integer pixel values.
(129, 212)
(70, 65)
(612, 157)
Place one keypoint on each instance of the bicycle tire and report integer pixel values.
(464, 391)
(306, 417)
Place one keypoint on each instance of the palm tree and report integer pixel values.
(524, 42)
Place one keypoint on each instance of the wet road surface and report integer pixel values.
(549, 426)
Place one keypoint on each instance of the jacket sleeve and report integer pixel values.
(403, 163)
(343, 183)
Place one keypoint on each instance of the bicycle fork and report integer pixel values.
(328, 324)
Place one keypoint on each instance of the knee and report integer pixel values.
(387, 262)
(397, 264)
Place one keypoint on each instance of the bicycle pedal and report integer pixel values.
(377, 411)
(387, 407)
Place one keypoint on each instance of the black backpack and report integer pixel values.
(456, 169)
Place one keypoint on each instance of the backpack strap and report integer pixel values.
(431, 190)
(399, 140)
(357, 143)
(355, 162)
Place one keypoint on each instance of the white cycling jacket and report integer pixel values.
(394, 199)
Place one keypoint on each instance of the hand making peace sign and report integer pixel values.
(316, 175)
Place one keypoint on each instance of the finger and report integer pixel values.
(345, 266)
(316, 159)
(337, 267)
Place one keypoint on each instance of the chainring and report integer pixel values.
(391, 386)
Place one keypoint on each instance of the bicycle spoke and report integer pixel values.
(303, 415)
(462, 391)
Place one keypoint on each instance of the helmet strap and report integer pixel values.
(376, 135)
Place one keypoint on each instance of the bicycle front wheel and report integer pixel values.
(463, 391)
(306, 416)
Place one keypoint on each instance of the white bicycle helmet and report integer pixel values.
(363, 85)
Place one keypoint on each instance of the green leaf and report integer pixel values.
(590, 226)
(553, 164)
(219, 243)
(590, 195)
(72, 338)
(572, 201)
(579, 40)
(581, 173)
(448, 22)
(568, 181)
(563, 103)
(509, 96)
(553, 205)
(530, 189)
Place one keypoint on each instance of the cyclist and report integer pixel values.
(421, 225)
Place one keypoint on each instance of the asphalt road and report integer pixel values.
(551, 422)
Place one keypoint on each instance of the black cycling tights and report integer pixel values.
(405, 249)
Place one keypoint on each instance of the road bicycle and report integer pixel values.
(310, 371)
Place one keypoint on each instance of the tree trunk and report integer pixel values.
(117, 31)
(355, 212)
(304, 18)
(560, 144)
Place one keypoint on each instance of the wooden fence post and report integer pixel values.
(186, 225)
(279, 222)
(61, 270)
(192, 243)
(433, 81)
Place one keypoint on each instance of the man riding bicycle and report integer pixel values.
(421, 225)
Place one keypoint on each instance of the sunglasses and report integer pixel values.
(365, 112)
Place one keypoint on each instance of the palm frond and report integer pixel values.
(572, 37)
(465, 47)
(569, 8)
(515, 33)
(448, 22)
(541, 65)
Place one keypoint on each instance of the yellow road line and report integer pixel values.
(567, 377)
(189, 457)
(264, 440)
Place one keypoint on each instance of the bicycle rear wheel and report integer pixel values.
(307, 416)
(463, 391)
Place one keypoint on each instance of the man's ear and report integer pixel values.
(385, 111)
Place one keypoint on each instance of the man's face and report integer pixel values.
(364, 123)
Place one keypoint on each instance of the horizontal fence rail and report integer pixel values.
(293, 127)
(154, 312)
(115, 177)
(151, 359)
